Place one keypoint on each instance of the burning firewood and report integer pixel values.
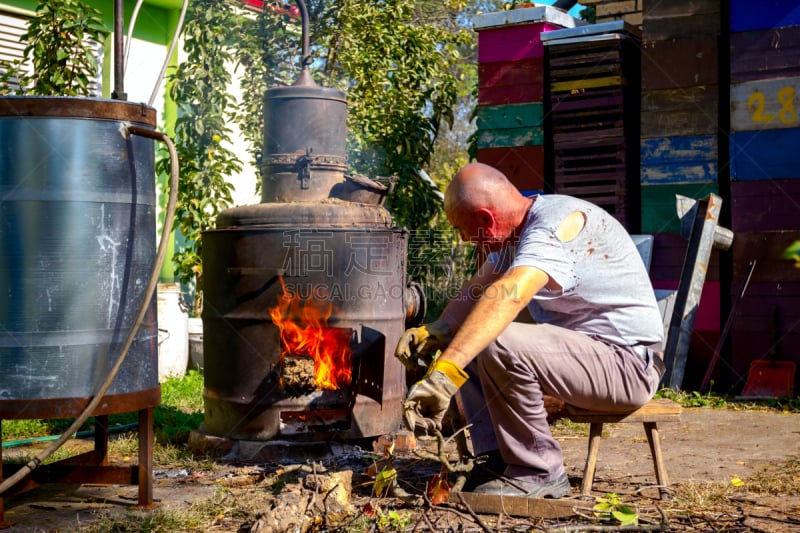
(297, 372)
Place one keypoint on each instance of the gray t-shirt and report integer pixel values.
(605, 289)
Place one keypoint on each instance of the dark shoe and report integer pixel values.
(557, 488)
(488, 466)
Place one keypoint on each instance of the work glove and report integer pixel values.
(417, 346)
(429, 398)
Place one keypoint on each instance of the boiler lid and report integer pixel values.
(328, 213)
(306, 92)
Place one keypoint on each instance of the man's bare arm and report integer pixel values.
(498, 306)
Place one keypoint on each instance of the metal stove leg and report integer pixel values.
(146, 457)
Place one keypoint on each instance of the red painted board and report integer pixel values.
(510, 82)
(522, 165)
(512, 43)
(708, 312)
(514, 94)
(765, 205)
(507, 73)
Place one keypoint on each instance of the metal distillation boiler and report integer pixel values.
(322, 236)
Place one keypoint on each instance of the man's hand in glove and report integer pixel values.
(422, 343)
(428, 399)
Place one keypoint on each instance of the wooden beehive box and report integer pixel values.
(765, 178)
(510, 115)
(593, 74)
(680, 104)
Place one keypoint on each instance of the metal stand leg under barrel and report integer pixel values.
(93, 466)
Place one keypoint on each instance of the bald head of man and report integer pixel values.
(484, 206)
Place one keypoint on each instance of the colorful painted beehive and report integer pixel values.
(510, 113)
(593, 75)
(680, 146)
(765, 177)
(680, 106)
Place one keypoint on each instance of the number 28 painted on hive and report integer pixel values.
(786, 114)
(765, 104)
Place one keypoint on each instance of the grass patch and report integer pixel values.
(696, 399)
(184, 394)
(778, 480)
(158, 521)
(181, 411)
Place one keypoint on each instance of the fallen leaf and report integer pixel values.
(369, 510)
(384, 480)
(438, 489)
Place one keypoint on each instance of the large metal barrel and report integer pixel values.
(330, 252)
(77, 234)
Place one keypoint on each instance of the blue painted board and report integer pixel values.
(765, 154)
(679, 159)
(748, 15)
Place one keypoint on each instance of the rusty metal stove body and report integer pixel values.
(323, 236)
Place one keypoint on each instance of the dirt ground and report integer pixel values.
(708, 445)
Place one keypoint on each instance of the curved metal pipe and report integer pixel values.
(148, 295)
(178, 30)
(306, 58)
(131, 25)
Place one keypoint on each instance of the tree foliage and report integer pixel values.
(200, 88)
(59, 45)
(397, 69)
(398, 63)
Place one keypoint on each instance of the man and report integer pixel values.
(593, 345)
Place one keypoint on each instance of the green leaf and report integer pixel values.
(384, 480)
(625, 516)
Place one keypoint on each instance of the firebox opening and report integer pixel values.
(323, 360)
(297, 422)
(313, 355)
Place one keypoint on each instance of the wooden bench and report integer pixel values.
(649, 415)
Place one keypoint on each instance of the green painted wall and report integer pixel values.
(155, 22)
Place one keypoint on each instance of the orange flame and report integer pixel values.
(304, 332)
